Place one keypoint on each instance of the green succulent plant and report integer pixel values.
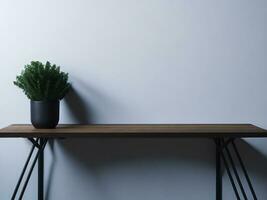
(43, 82)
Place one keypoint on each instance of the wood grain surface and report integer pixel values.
(136, 130)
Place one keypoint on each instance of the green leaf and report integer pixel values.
(43, 82)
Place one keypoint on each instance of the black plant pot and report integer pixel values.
(44, 114)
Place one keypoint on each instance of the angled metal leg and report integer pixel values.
(244, 171)
(41, 145)
(218, 171)
(230, 176)
(222, 146)
(23, 171)
(236, 173)
(219, 149)
(41, 172)
(31, 169)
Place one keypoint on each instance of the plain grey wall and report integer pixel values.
(161, 61)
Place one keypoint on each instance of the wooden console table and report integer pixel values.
(223, 135)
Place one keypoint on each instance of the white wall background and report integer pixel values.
(161, 61)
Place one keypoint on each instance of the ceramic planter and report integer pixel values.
(45, 114)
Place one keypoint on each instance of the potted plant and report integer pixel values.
(45, 85)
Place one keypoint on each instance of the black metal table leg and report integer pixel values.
(23, 171)
(230, 176)
(40, 144)
(41, 172)
(31, 169)
(221, 146)
(236, 173)
(244, 171)
(218, 171)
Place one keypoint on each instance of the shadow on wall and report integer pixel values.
(187, 163)
(78, 108)
(102, 152)
(139, 168)
(86, 104)
(97, 156)
(50, 170)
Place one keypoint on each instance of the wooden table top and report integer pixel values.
(136, 130)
